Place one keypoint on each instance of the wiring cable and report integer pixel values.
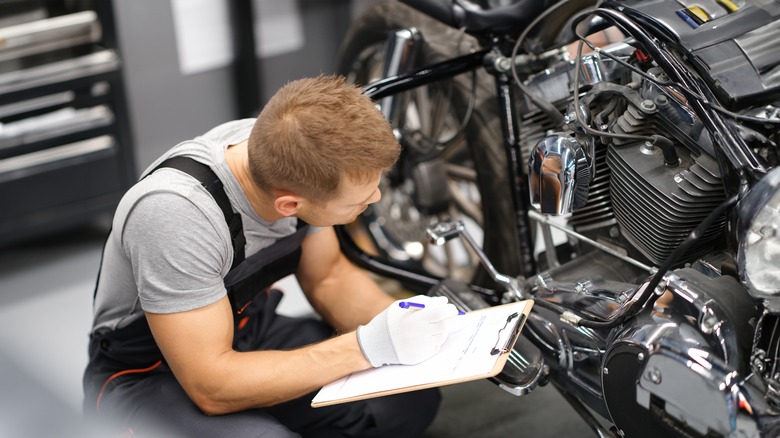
(687, 91)
(648, 295)
(546, 107)
(467, 115)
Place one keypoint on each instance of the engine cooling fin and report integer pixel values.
(657, 207)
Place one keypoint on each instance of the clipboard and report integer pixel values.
(477, 350)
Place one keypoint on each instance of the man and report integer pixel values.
(185, 336)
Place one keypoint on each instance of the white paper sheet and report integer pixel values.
(466, 353)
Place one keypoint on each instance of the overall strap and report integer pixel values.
(214, 186)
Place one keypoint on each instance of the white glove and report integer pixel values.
(407, 335)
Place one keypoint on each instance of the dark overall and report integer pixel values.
(128, 382)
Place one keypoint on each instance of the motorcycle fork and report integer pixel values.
(400, 54)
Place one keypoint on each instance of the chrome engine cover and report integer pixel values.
(680, 367)
(684, 361)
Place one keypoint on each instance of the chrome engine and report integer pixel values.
(653, 205)
(704, 358)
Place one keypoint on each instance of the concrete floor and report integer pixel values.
(46, 291)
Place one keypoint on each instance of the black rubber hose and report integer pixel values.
(667, 147)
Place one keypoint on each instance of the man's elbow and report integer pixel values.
(210, 405)
(210, 399)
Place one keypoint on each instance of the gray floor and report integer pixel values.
(45, 311)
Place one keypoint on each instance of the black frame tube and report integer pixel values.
(519, 186)
(424, 76)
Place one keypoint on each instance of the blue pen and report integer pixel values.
(411, 305)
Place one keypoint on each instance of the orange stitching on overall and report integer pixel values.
(122, 373)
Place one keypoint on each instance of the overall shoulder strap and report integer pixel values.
(214, 186)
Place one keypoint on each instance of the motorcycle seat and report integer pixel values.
(475, 20)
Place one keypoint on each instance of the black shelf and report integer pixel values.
(66, 152)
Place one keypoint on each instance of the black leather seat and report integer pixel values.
(502, 20)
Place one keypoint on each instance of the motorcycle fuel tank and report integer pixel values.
(732, 43)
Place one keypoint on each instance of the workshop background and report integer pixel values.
(159, 72)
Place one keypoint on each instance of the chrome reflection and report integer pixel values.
(558, 174)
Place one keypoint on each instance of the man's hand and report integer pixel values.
(407, 336)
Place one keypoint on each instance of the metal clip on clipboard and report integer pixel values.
(513, 334)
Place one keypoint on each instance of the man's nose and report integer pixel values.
(377, 196)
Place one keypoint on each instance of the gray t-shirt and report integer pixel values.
(170, 248)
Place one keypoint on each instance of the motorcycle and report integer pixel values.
(614, 161)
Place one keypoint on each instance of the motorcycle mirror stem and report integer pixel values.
(446, 230)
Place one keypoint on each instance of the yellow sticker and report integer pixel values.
(728, 5)
(700, 13)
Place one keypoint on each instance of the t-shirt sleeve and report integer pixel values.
(179, 253)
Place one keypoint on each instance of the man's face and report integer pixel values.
(353, 200)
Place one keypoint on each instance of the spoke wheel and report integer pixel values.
(452, 163)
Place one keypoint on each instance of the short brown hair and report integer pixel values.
(313, 131)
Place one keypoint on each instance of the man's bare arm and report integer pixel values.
(197, 345)
(345, 295)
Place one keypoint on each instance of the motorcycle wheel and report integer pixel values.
(440, 155)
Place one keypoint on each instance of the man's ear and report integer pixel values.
(287, 205)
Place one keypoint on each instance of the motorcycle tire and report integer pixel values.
(362, 51)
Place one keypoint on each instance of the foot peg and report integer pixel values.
(525, 369)
(438, 234)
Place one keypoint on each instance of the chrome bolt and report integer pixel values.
(709, 323)
(757, 360)
(640, 357)
(661, 288)
(606, 370)
(647, 148)
(502, 64)
(654, 375)
(768, 231)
